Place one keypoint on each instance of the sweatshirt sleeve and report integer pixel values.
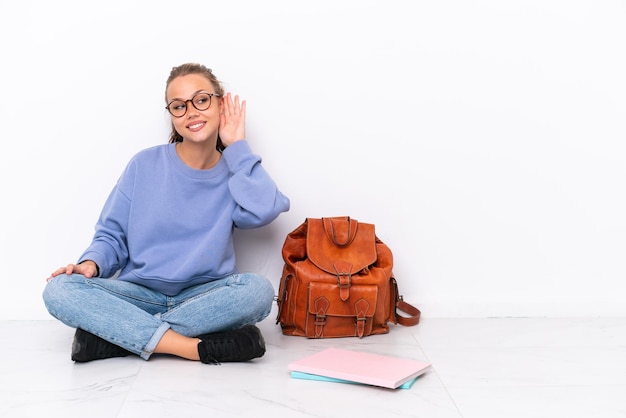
(258, 199)
(109, 249)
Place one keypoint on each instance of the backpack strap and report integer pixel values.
(400, 304)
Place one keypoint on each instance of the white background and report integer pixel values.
(484, 139)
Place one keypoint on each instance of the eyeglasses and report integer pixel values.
(201, 101)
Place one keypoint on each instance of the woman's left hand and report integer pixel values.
(232, 120)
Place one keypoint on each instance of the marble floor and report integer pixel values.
(482, 368)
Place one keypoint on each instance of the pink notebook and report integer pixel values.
(357, 366)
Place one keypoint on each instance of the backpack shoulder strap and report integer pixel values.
(413, 314)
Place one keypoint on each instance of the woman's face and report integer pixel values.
(195, 125)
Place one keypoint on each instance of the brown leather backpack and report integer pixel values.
(337, 281)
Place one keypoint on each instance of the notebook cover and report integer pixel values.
(309, 376)
(361, 367)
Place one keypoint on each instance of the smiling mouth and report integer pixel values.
(196, 126)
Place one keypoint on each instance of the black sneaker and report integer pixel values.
(241, 344)
(87, 347)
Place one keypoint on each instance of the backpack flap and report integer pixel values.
(341, 246)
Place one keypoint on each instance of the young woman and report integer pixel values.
(160, 275)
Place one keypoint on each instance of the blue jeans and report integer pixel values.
(135, 317)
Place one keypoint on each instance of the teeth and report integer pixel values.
(194, 126)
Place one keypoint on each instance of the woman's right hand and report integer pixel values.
(87, 268)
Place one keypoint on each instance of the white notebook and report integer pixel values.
(357, 366)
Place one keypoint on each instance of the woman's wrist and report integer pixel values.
(95, 265)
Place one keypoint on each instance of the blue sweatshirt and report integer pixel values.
(167, 226)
